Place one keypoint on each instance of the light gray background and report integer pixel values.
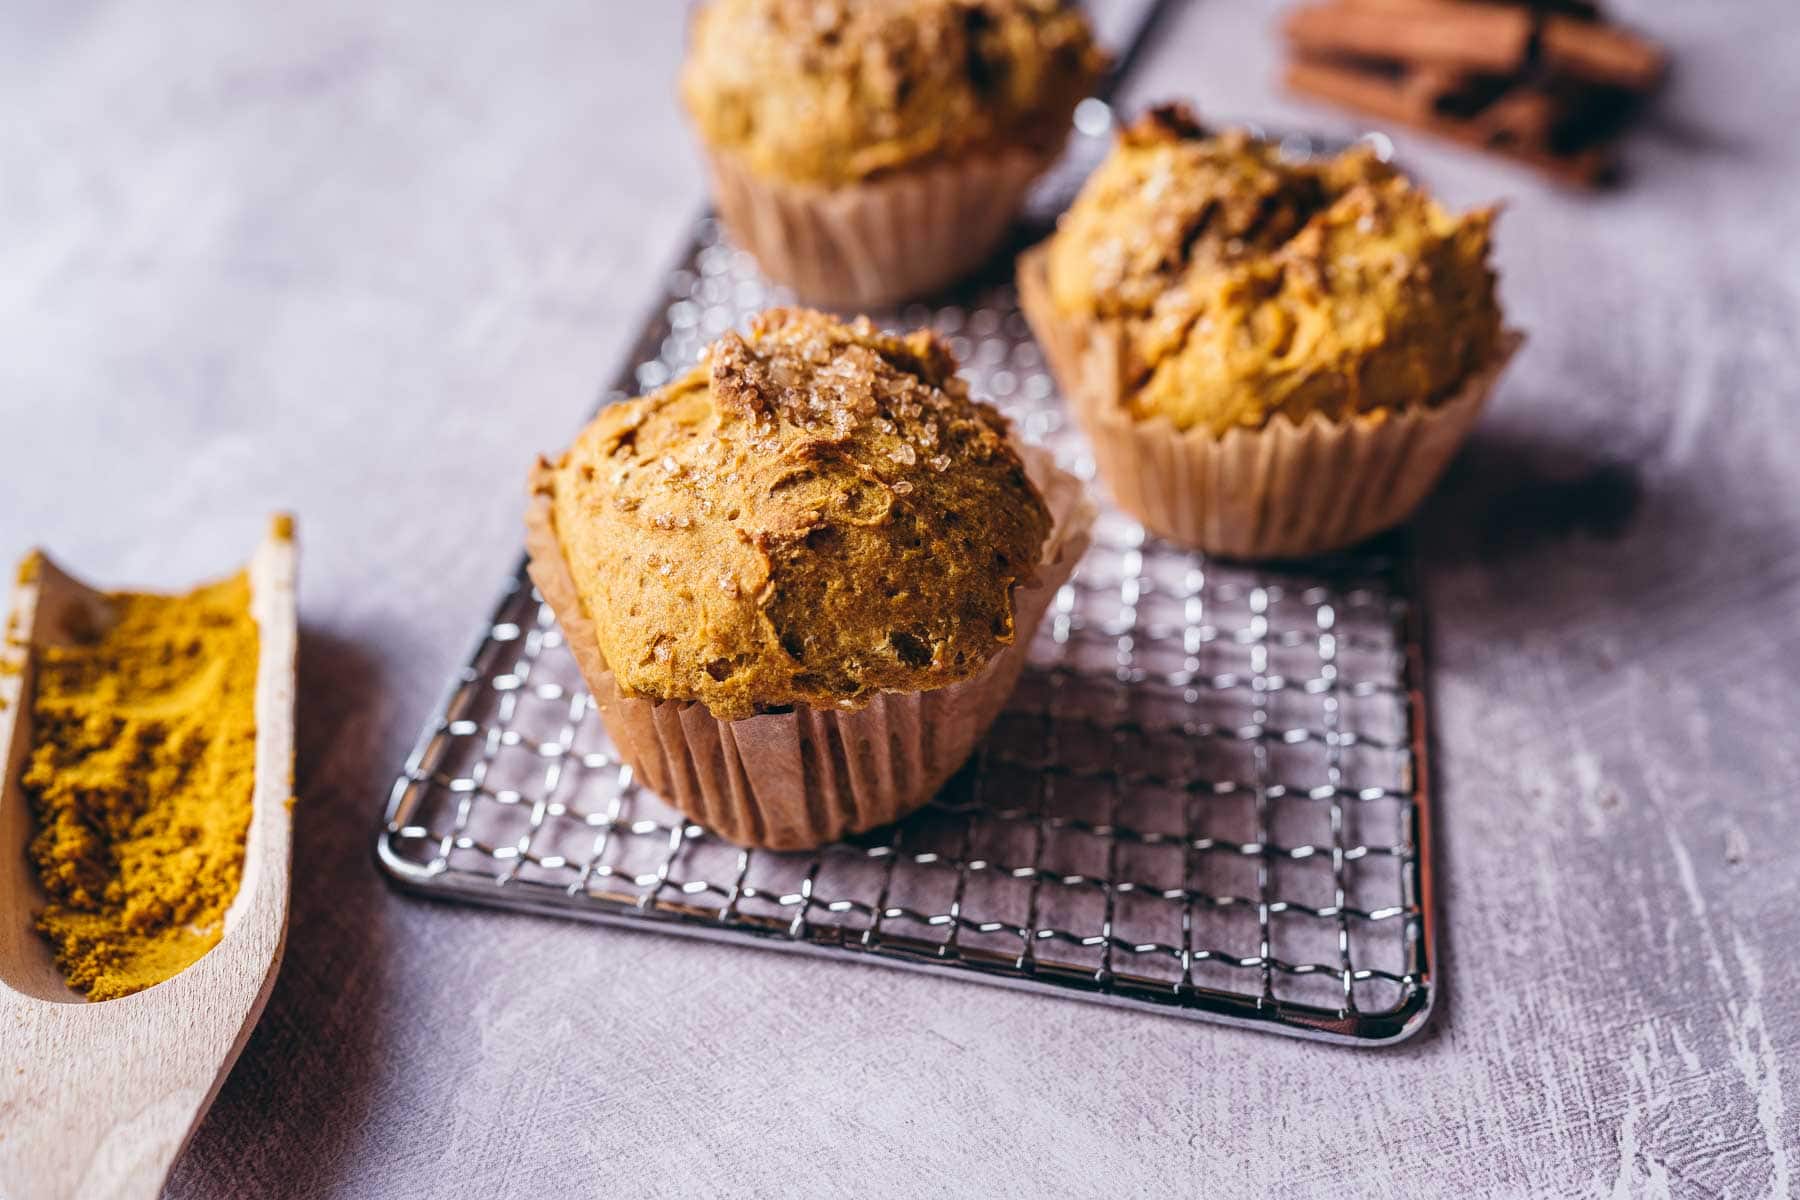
(364, 260)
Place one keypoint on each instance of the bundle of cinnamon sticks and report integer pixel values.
(1550, 83)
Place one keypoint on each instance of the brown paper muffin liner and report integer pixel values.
(1286, 490)
(799, 779)
(895, 238)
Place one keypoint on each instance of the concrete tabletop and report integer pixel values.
(364, 261)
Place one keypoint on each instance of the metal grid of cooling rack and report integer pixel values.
(1206, 797)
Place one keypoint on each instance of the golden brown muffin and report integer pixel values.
(830, 92)
(1272, 359)
(1249, 286)
(816, 513)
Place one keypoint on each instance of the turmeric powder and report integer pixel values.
(141, 774)
(12, 648)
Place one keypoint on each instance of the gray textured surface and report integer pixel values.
(365, 260)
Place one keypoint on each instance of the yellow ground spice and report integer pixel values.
(141, 774)
(12, 648)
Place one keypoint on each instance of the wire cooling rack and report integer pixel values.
(1207, 795)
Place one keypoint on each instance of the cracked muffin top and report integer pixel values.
(815, 513)
(836, 91)
(1172, 201)
(1249, 285)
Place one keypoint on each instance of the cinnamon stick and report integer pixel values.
(1603, 54)
(1429, 88)
(1388, 99)
(1523, 117)
(1583, 9)
(1471, 37)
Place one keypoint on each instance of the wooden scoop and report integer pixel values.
(98, 1099)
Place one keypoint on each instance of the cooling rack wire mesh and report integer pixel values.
(1205, 797)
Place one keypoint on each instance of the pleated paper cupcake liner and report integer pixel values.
(1286, 490)
(909, 234)
(798, 779)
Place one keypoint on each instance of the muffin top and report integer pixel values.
(1249, 285)
(836, 91)
(1172, 201)
(815, 513)
(1381, 301)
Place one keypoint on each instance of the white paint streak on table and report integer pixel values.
(366, 260)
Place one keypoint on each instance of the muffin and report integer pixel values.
(1271, 358)
(869, 151)
(800, 580)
